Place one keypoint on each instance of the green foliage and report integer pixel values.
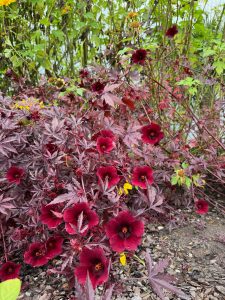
(56, 38)
(10, 289)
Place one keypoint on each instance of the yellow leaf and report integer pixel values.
(127, 186)
(10, 289)
(123, 259)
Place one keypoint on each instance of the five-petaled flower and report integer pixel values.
(98, 87)
(151, 134)
(201, 207)
(36, 255)
(105, 145)
(51, 215)
(84, 73)
(54, 246)
(9, 270)
(94, 263)
(142, 175)
(80, 218)
(139, 56)
(124, 232)
(15, 174)
(104, 133)
(172, 31)
(108, 174)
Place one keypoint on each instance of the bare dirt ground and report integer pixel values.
(197, 260)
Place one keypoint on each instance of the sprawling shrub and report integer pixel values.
(86, 164)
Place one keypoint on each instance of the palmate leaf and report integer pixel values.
(159, 280)
(89, 291)
(10, 289)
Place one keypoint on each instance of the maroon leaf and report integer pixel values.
(89, 291)
(108, 293)
(158, 281)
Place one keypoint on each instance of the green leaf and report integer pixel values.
(208, 52)
(124, 50)
(219, 66)
(10, 289)
(188, 182)
(174, 180)
(45, 21)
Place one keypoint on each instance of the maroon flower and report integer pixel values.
(104, 144)
(36, 255)
(139, 56)
(124, 232)
(141, 175)
(152, 134)
(107, 133)
(9, 270)
(84, 73)
(98, 87)
(172, 31)
(50, 147)
(15, 174)
(54, 246)
(95, 263)
(108, 173)
(51, 215)
(80, 218)
(104, 133)
(201, 207)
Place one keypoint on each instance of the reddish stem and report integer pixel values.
(3, 239)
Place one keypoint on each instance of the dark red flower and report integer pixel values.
(108, 173)
(36, 255)
(94, 263)
(139, 56)
(107, 133)
(201, 207)
(84, 73)
(98, 87)
(152, 134)
(9, 270)
(54, 246)
(80, 218)
(104, 133)
(15, 174)
(124, 232)
(141, 175)
(172, 31)
(51, 215)
(104, 145)
(50, 147)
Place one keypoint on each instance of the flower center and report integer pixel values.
(10, 270)
(143, 177)
(180, 173)
(103, 147)
(98, 267)
(152, 135)
(39, 253)
(108, 177)
(124, 230)
(16, 175)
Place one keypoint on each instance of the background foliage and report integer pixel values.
(56, 37)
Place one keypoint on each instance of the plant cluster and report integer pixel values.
(86, 164)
